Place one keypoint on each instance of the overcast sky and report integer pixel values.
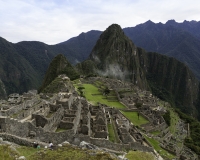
(55, 21)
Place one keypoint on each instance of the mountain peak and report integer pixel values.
(170, 22)
(114, 26)
(113, 29)
(115, 55)
(59, 65)
(149, 22)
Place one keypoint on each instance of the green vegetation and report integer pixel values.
(138, 105)
(156, 133)
(193, 142)
(86, 68)
(157, 147)
(50, 114)
(111, 133)
(174, 118)
(59, 65)
(66, 152)
(6, 153)
(80, 90)
(70, 153)
(167, 117)
(138, 155)
(60, 130)
(162, 80)
(28, 152)
(133, 117)
(94, 96)
(55, 86)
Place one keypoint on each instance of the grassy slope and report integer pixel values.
(157, 147)
(138, 155)
(112, 137)
(133, 117)
(66, 152)
(89, 92)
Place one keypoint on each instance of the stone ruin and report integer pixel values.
(151, 110)
(65, 116)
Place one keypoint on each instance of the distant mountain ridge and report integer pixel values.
(178, 40)
(23, 65)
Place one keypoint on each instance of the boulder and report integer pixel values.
(85, 145)
(21, 158)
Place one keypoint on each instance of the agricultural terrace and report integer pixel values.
(93, 95)
(133, 117)
(156, 146)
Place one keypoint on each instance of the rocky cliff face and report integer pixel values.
(115, 55)
(172, 80)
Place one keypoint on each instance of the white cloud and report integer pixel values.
(54, 21)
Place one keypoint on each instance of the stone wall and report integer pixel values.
(77, 118)
(54, 120)
(70, 100)
(114, 146)
(149, 119)
(66, 125)
(64, 104)
(55, 137)
(17, 109)
(20, 141)
(40, 120)
(54, 108)
(161, 127)
(13, 126)
(12, 110)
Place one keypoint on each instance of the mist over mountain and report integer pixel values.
(23, 65)
(116, 56)
(178, 40)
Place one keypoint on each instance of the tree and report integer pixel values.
(106, 91)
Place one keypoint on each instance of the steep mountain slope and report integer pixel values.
(178, 40)
(59, 65)
(15, 72)
(30, 60)
(172, 80)
(171, 39)
(115, 55)
(23, 65)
